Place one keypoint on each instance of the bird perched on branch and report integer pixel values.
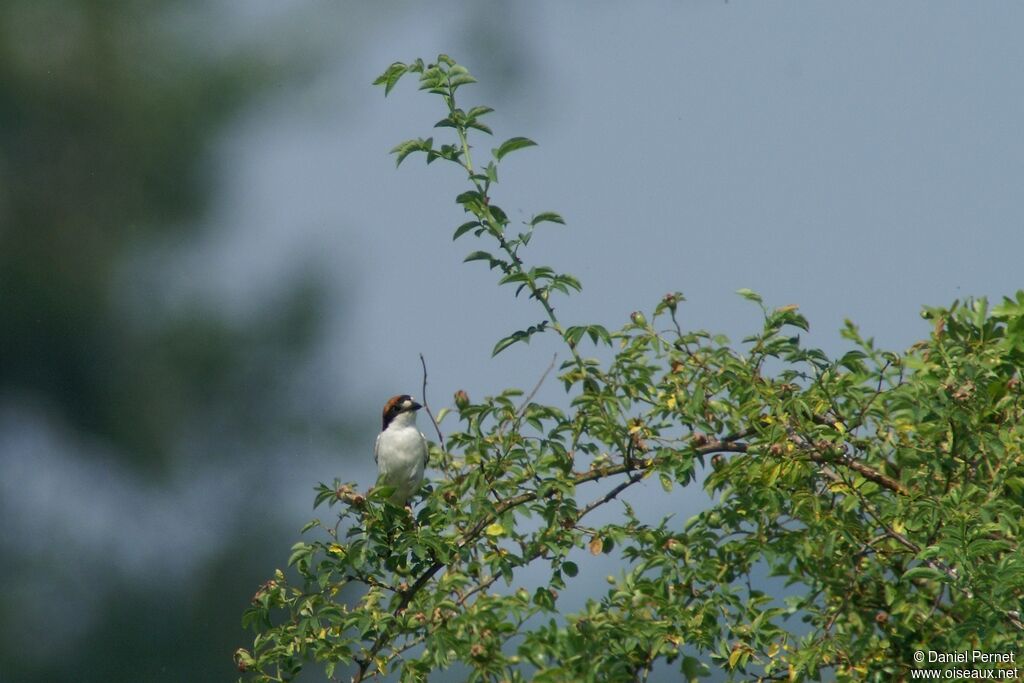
(400, 450)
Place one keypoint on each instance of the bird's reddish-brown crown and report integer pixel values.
(393, 407)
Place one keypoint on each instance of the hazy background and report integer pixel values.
(211, 275)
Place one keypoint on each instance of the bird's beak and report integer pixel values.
(415, 406)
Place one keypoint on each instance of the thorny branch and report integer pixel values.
(636, 469)
(1011, 616)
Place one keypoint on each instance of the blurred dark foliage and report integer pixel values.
(105, 123)
(108, 111)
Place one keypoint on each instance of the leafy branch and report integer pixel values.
(444, 78)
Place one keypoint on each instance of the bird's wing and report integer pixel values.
(376, 447)
(426, 450)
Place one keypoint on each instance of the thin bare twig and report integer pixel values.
(634, 477)
(440, 437)
(536, 387)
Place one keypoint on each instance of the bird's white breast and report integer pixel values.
(401, 455)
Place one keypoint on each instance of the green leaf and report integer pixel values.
(458, 75)
(1010, 308)
(492, 262)
(498, 214)
(469, 197)
(491, 172)
(479, 126)
(404, 149)
(787, 315)
(924, 572)
(505, 343)
(749, 294)
(391, 76)
(851, 360)
(570, 568)
(599, 333)
(511, 145)
(478, 111)
(574, 334)
(514, 277)
(543, 598)
(518, 336)
(380, 492)
(692, 669)
(464, 228)
(547, 216)
(299, 551)
(478, 256)
(563, 283)
(324, 492)
(433, 79)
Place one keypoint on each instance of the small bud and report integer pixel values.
(963, 392)
(243, 660)
(671, 300)
(881, 617)
(776, 449)
(717, 461)
(638, 318)
(461, 399)
(264, 589)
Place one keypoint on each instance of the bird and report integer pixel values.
(401, 449)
